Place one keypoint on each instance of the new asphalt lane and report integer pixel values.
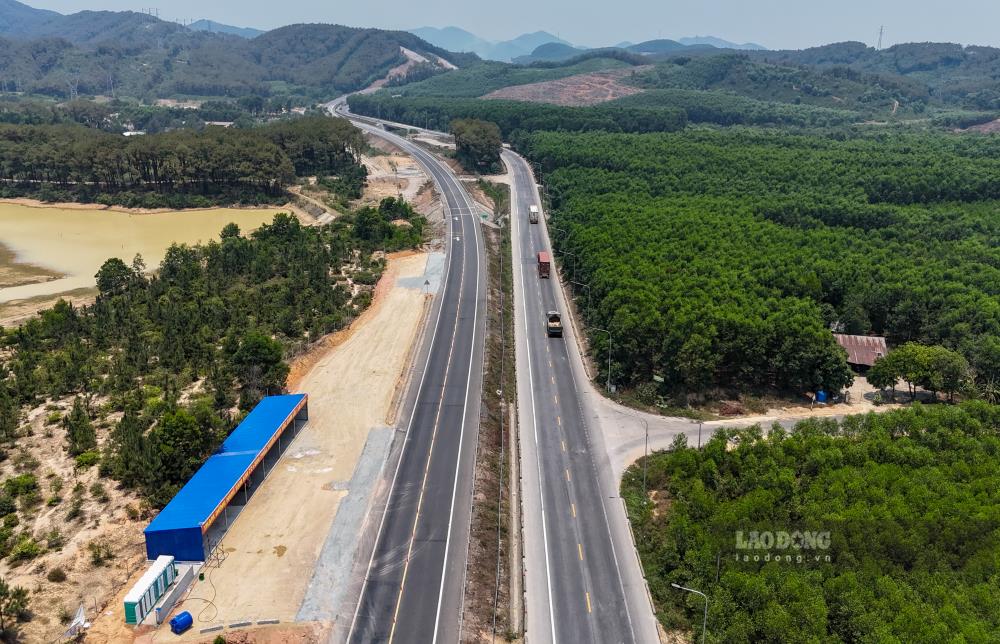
(413, 590)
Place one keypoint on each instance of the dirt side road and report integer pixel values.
(278, 537)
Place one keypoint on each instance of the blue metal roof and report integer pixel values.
(192, 506)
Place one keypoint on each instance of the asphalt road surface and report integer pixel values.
(583, 581)
(413, 590)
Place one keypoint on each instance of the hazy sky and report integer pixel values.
(773, 23)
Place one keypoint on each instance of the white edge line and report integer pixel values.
(534, 420)
(465, 407)
(409, 424)
(573, 370)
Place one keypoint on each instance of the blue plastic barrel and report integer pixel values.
(821, 396)
(181, 623)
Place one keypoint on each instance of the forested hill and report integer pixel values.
(951, 72)
(133, 54)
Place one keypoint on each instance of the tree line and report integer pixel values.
(721, 259)
(513, 116)
(908, 501)
(180, 168)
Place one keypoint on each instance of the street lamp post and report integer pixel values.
(609, 354)
(575, 262)
(699, 434)
(645, 462)
(704, 622)
(586, 286)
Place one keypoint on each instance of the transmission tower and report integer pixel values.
(881, 32)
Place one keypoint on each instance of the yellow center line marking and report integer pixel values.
(550, 363)
(572, 506)
(567, 474)
(563, 445)
(553, 379)
(588, 602)
(579, 548)
(555, 398)
(559, 420)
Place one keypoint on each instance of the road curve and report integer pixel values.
(414, 586)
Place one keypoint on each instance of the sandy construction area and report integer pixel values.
(352, 379)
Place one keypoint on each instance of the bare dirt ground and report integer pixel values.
(107, 516)
(391, 175)
(861, 400)
(574, 91)
(279, 535)
(985, 128)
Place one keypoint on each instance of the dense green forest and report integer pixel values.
(723, 258)
(119, 116)
(219, 320)
(511, 116)
(837, 88)
(129, 54)
(726, 108)
(909, 502)
(176, 169)
(965, 76)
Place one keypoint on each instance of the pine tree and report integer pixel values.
(79, 431)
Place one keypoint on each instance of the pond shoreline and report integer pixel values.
(76, 205)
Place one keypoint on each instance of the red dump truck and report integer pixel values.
(544, 264)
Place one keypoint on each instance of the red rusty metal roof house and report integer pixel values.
(862, 350)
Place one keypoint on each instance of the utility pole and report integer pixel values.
(881, 32)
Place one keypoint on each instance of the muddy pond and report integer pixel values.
(48, 251)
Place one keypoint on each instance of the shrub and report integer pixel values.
(87, 459)
(18, 485)
(57, 575)
(24, 550)
(54, 540)
(100, 553)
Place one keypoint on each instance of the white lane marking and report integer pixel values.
(461, 436)
(534, 423)
(406, 442)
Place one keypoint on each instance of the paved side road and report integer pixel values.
(414, 586)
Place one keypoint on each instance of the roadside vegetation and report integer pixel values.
(720, 260)
(909, 501)
(175, 169)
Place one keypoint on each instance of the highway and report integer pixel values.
(583, 580)
(414, 585)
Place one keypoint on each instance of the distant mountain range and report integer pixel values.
(543, 46)
(134, 54)
(720, 43)
(458, 39)
(558, 52)
(218, 27)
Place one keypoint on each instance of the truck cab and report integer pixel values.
(553, 324)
